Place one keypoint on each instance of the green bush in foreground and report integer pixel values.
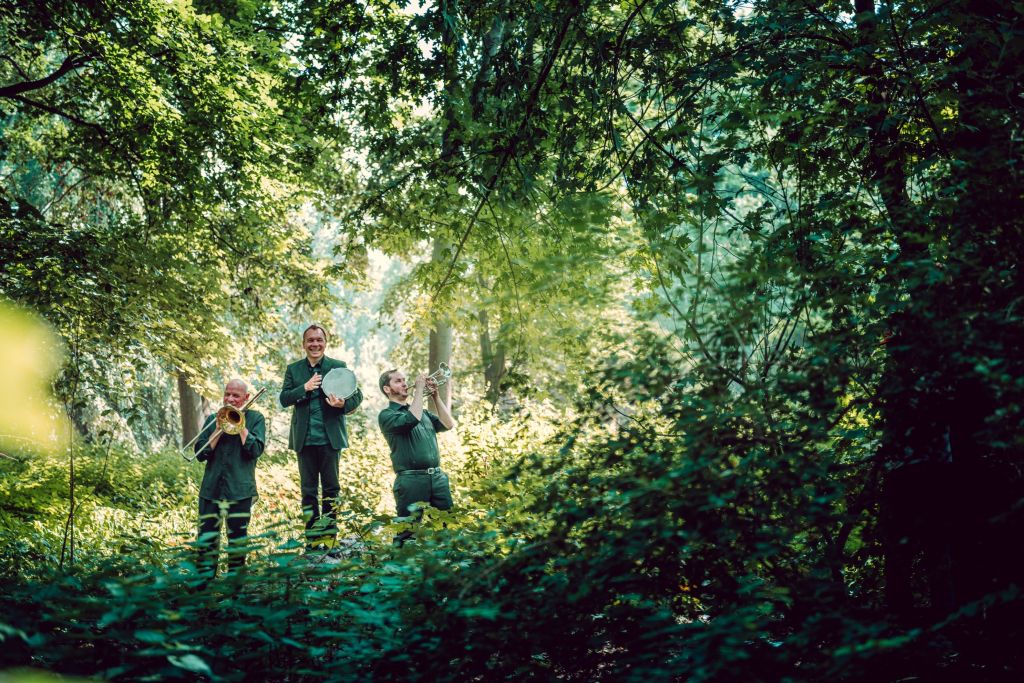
(677, 545)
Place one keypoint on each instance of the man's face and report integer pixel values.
(235, 394)
(398, 389)
(314, 344)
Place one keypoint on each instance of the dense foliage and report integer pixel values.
(150, 181)
(738, 285)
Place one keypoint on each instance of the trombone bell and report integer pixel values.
(230, 420)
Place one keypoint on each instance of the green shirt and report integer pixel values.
(413, 442)
(231, 467)
(316, 434)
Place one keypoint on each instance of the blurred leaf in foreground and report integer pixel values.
(30, 354)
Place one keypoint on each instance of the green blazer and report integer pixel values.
(294, 393)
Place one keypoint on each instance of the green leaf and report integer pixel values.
(190, 662)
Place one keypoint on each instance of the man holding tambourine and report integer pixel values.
(323, 391)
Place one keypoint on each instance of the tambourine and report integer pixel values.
(340, 381)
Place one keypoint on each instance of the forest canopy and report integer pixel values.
(731, 292)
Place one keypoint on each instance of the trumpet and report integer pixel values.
(230, 420)
(440, 376)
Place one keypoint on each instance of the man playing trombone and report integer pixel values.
(411, 433)
(229, 481)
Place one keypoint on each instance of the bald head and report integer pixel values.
(236, 393)
(239, 384)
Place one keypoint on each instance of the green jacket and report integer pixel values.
(294, 393)
(231, 467)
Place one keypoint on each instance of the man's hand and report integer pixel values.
(244, 434)
(416, 406)
(444, 409)
(432, 386)
(313, 382)
(335, 402)
(215, 440)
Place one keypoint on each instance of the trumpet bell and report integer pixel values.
(231, 420)
(441, 375)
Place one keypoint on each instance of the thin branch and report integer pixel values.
(17, 67)
(919, 96)
(650, 138)
(531, 103)
(63, 114)
(842, 38)
(367, 202)
(691, 326)
(56, 199)
(520, 342)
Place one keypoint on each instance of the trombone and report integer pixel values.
(230, 420)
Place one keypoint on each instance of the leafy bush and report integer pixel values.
(675, 544)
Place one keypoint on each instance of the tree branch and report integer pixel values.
(70, 63)
(16, 66)
(531, 103)
(63, 114)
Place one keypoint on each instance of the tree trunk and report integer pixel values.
(491, 44)
(492, 357)
(451, 143)
(441, 350)
(987, 241)
(192, 405)
(944, 488)
(914, 519)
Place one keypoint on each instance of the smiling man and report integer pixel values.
(229, 480)
(318, 433)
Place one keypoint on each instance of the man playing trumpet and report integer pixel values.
(229, 481)
(411, 433)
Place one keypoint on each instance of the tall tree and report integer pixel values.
(151, 168)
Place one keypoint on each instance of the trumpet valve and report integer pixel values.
(440, 376)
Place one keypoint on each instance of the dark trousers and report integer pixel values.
(419, 487)
(211, 512)
(318, 468)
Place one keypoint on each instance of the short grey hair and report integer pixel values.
(314, 326)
